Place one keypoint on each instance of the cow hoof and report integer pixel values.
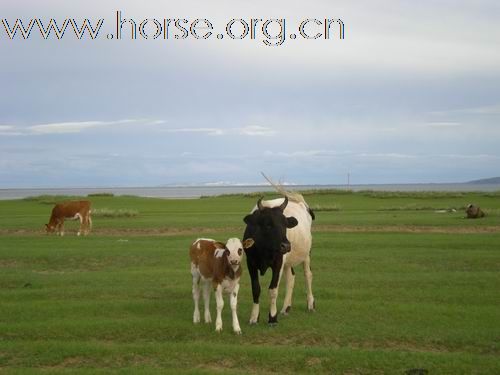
(238, 332)
(286, 310)
(312, 308)
(218, 329)
(254, 322)
(273, 320)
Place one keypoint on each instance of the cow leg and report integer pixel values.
(61, 227)
(254, 276)
(89, 222)
(273, 294)
(290, 282)
(86, 222)
(81, 223)
(220, 306)
(308, 277)
(206, 299)
(196, 293)
(233, 299)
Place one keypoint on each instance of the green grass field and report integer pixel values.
(401, 281)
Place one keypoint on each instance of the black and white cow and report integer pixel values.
(281, 231)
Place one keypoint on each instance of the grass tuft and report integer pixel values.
(411, 194)
(111, 213)
(326, 208)
(418, 207)
(52, 199)
(101, 195)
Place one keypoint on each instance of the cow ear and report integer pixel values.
(291, 222)
(249, 219)
(219, 245)
(248, 243)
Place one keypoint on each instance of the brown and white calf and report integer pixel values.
(70, 210)
(219, 264)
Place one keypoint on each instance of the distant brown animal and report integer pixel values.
(71, 210)
(474, 212)
(218, 264)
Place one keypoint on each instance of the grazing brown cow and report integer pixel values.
(474, 212)
(71, 210)
(218, 264)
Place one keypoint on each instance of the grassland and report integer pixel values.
(402, 281)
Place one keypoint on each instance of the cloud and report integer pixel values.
(73, 127)
(481, 110)
(302, 154)
(9, 130)
(310, 154)
(253, 130)
(208, 131)
(443, 124)
(70, 127)
(470, 156)
(256, 130)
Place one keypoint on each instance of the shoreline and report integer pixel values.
(193, 192)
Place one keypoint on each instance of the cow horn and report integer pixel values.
(259, 204)
(284, 204)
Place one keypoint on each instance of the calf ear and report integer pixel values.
(291, 222)
(248, 243)
(219, 245)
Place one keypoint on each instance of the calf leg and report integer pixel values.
(206, 299)
(196, 293)
(254, 276)
(308, 277)
(290, 282)
(233, 299)
(220, 306)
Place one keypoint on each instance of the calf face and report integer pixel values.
(232, 250)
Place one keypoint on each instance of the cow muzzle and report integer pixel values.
(235, 262)
(285, 247)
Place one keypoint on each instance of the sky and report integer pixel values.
(410, 95)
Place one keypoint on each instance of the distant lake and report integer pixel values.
(198, 191)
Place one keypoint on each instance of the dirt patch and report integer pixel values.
(166, 231)
(198, 231)
(313, 362)
(404, 229)
(7, 263)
